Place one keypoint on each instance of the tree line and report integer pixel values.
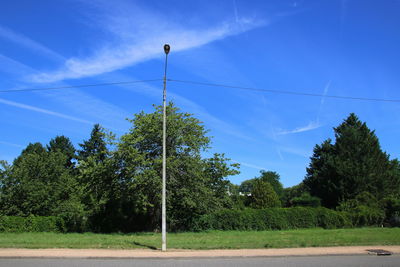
(110, 184)
(350, 173)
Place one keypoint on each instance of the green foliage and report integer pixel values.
(364, 215)
(364, 210)
(195, 185)
(115, 186)
(314, 237)
(233, 189)
(39, 183)
(237, 199)
(73, 215)
(391, 206)
(246, 186)
(261, 192)
(272, 219)
(215, 170)
(306, 200)
(263, 196)
(96, 146)
(101, 190)
(63, 145)
(31, 224)
(290, 193)
(353, 164)
(267, 176)
(273, 179)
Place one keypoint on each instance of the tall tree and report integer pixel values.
(63, 145)
(353, 164)
(38, 183)
(95, 146)
(6, 186)
(97, 172)
(216, 169)
(190, 179)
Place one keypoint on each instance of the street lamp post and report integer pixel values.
(164, 159)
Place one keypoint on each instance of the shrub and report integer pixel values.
(364, 210)
(367, 216)
(306, 200)
(73, 215)
(31, 224)
(392, 211)
(331, 219)
(272, 219)
(263, 195)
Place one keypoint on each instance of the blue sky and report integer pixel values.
(327, 47)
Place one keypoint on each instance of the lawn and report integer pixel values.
(207, 240)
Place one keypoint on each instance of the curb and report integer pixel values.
(141, 253)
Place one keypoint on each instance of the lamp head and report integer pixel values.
(166, 48)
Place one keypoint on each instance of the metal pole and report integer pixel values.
(164, 159)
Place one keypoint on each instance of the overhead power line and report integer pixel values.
(76, 86)
(205, 84)
(284, 92)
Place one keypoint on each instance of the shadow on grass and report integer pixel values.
(144, 245)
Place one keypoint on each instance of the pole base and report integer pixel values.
(164, 247)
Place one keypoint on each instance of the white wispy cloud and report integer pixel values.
(211, 120)
(13, 67)
(184, 103)
(311, 126)
(235, 11)
(89, 106)
(249, 165)
(109, 115)
(44, 111)
(278, 150)
(24, 41)
(326, 89)
(138, 38)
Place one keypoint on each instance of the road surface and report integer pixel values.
(334, 261)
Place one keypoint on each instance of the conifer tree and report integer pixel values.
(355, 163)
(263, 195)
(96, 146)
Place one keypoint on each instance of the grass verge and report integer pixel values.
(207, 240)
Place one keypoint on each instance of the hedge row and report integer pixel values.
(228, 219)
(31, 224)
(272, 219)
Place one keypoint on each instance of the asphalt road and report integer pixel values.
(334, 261)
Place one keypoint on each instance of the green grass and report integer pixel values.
(207, 240)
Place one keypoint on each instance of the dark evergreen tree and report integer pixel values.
(355, 163)
(96, 146)
(63, 145)
(97, 172)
